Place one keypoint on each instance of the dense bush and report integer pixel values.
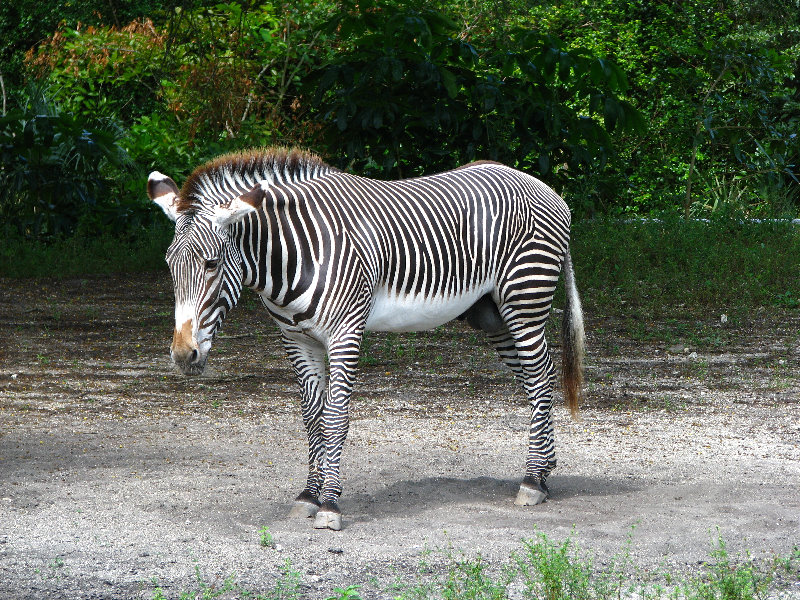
(408, 97)
(401, 88)
(53, 169)
(102, 73)
(196, 82)
(717, 84)
(24, 24)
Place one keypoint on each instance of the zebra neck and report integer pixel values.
(280, 262)
(228, 176)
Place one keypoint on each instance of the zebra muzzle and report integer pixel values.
(189, 363)
(185, 353)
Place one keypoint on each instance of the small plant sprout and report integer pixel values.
(265, 537)
(347, 593)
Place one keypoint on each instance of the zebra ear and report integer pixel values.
(163, 191)
(222, 216)
(238, 208)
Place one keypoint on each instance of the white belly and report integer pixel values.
(391, 312)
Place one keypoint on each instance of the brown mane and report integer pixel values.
(249, 166)
(475, 163)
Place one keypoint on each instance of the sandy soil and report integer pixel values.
(115, 471)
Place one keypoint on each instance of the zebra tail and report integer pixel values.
(572, 340)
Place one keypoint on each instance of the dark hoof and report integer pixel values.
(531, 492)
(305, 505)
(328, 517)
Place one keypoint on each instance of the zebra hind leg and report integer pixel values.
(525, 315)
(541, 456)
(533, 489)
(484, 315)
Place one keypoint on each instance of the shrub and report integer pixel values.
(407, 95)
(52, 167)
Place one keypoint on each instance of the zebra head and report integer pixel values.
(206, 268)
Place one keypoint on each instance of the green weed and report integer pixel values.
(542, 569)
(347, 593)
(550, 570)
(726, 580)
(554, 571)
(265, 537)
(287, 587)
(787, 300)
(463, 578)
(55, 570)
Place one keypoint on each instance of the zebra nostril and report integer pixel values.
(193, 357)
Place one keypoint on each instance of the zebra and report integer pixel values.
(332, 255)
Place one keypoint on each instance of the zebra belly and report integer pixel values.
(392, 312)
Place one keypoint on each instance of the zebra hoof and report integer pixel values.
(305, 505)
(531, 493)
(303, 509)
(328, 517)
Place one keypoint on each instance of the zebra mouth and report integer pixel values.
(190, 364)
(191, 370)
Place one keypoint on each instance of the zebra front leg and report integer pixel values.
(308, 360)
(343, 360)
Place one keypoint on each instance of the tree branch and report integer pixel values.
(3, 88)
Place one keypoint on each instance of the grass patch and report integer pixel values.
(663, 265)
(542, 569)
(265, 536)
(651, 268)
(549, 570)
(287, 587)
(84, 255)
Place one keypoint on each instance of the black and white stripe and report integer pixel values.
(332, 254)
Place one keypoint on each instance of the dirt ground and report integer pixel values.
(116, 472)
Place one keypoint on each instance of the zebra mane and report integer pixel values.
(230, 175)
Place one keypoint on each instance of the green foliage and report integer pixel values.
(265, 537)
(662, 264)
(53, 169)
(346, 593)
(471, 579)
(408, 96)
(102, 72)
(234, 66)
(211, 80)
(717, 83)
(84, 253)
(726, 580)
(555, 571)
(287, 587)
(403, 88)
(25, 23)
(549, 570)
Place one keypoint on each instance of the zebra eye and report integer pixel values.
(212, 264)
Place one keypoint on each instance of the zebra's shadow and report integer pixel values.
(415, 496)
